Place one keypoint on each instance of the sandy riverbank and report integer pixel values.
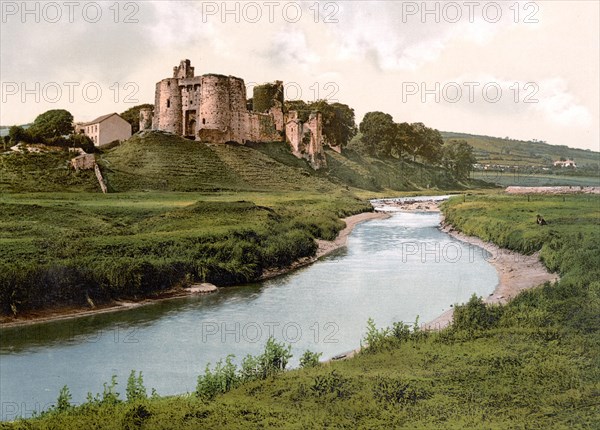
(49, 315)
(516, 273)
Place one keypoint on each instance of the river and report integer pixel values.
(392, 270)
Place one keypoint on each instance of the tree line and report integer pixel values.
(381, 137)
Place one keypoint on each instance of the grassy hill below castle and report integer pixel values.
(163, 162)
(157, 161)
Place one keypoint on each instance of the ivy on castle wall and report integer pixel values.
(264, 97)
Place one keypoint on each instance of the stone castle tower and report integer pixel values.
(214, 109)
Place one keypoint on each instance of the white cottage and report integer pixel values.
(107, 129)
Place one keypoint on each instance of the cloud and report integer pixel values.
(290, 48)
(560, 106)
(395, 37)
(549, 100)
(180, 24)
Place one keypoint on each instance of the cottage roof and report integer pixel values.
(101, 118)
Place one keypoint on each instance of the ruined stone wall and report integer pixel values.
(306, 139)
(315, 149)
(184, 70)
(269, 99)
(267, 96)
(240, 118)
(145, 119)
(259, 127)
(293, 132)
(83, 162)
(213, 108)
(167, 106)
(191, 99)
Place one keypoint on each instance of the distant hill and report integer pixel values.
(503, 151)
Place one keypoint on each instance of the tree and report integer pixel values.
(425, 143)
(18, 134)
(403, 136)
(457, 156)
(53, 123)
(344, 127)
(378, 133)
(338, 122)
(132, 116)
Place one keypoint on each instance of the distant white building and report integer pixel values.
(106, 129)
(567, 163)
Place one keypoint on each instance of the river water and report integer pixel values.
(392, 270)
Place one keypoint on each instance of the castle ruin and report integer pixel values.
(214, 109)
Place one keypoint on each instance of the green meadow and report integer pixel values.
(521, 179)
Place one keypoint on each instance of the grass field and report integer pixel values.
(531, 364)
(506, 179)
(43, 172)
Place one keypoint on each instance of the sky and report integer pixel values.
(519, 69)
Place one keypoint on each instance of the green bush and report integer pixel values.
(476, 315)
(135, 387)
(331, 385)
(63, 403)
(375, 340)
(310, 359)
(225, 377)
(218, 381)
